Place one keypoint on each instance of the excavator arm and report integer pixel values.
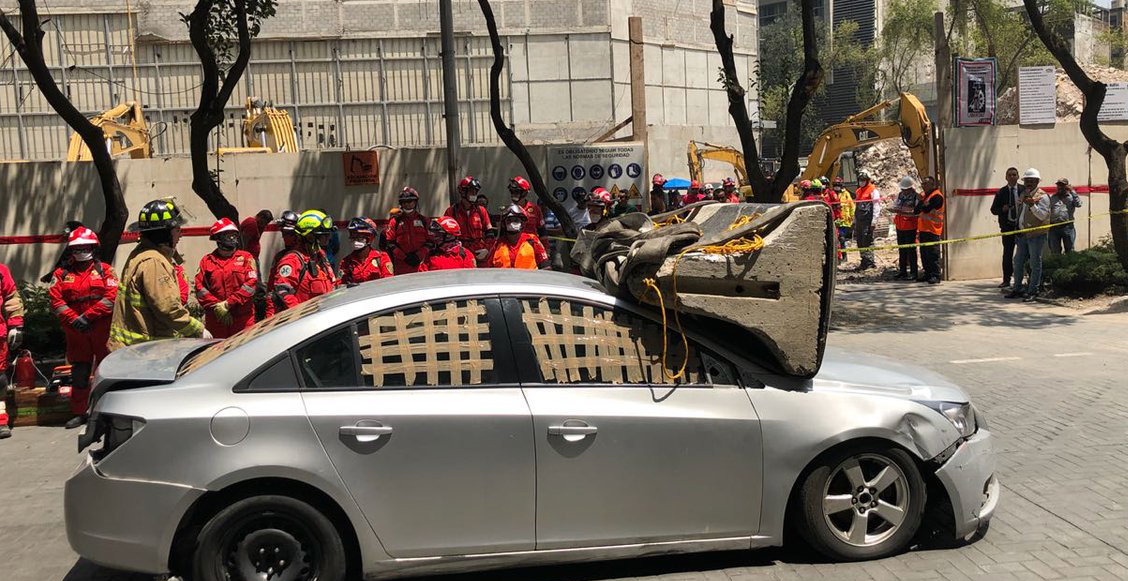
(265, 130)
(698, 152)
(124, 131)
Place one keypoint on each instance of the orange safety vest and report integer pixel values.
(932, 222)
(525, 256)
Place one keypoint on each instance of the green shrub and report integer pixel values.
(43, 335)
(1086, 273)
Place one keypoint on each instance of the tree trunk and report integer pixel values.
(30, 47)
(213, 99)
(506, 133)
(801, 95)
(1111, 150)
(738, 105)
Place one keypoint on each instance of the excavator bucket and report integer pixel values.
(761, 273)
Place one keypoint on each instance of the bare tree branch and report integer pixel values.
(29, 45)
(801, 95)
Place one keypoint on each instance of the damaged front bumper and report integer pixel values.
(969, 477)
(122, 523)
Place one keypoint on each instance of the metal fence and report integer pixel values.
(353, 94)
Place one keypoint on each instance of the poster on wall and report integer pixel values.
(974, 92)
(575, 170)
(361, 168)
(1037, 95)
(1115, 106)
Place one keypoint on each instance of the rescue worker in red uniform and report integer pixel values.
(407, 234)
(728, 185)
(306, 272)
(519, 193)
(286, 225)
(365, 262)
(225, 283)
(515, 248)
(448, 252)
(473, 219)
(597, 205)
(82, 297)
(11, 327)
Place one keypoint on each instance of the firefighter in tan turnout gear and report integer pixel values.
(148, 304)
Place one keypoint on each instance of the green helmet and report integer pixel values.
(816, 183)
(314, 222)
(159, 214)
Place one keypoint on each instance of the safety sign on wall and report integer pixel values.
(1115, 106)
(575, 170)
(361, 168)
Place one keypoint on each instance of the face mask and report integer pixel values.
(359, 243)
(83, 256)
(513, 226)
(227, 243)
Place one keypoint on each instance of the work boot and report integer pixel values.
(1029, 298)
(1017, 293)
(5, 432)
(1004, 284)
(75, 422)
(934, 280)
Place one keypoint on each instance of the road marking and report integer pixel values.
(987, 360)
(1078, 354)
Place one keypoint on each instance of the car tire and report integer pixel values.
(280, 537)
(861, 503)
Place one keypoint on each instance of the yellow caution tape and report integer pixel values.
(973, 238)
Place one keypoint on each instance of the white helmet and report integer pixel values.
(1032, 174)
(907, 183)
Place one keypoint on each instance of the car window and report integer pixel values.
(329, 361)
(579, 343)
(279, 376)
(430, 345)
(219, 348)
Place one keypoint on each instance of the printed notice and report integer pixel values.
(1037, 95)
(1115, 106)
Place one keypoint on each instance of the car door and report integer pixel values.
(624, 454)
(420, 413)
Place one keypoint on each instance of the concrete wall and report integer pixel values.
(977, 157)
(42, 195)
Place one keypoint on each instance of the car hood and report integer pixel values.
(149, 363)
(857, 372)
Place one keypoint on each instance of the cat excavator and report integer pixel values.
(125, 132)
(266, 129)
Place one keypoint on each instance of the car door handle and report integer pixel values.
(365, 433)
(573, 433)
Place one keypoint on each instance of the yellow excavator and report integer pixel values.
(124, 130)
(699, 151)
(912, 126)
(265, 130)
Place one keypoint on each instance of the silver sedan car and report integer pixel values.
(468, 419)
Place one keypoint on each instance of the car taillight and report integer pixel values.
(111, 430)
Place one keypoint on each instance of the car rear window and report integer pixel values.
(265, 326)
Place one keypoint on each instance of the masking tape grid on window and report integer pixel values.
(614, 346)
(452, 338)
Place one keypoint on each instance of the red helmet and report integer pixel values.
(448, 225)
(408, 195)
(82, 236)
(695, 185)
(838, 181)
(728, 183)
(600, 197)
(658, 180)
(469, 183)
(520, 185)
(222, 225)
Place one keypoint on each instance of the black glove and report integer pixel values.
(412, 259)
(81, 324)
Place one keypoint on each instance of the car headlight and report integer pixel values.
(962, 415)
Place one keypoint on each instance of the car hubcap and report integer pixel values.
(270, 552)
(865, 500)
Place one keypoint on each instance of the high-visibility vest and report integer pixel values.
(932, 222)
(524, 256)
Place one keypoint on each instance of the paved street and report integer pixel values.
(1045, 377)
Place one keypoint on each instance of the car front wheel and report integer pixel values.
(269, 537)
(862, 503)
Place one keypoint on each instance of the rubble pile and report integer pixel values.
(887, 162)
(1070, 101)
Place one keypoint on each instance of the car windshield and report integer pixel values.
(218, 348)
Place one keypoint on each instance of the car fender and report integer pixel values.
(798, 426)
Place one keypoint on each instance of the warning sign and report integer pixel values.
(362, 168)
(581, 168)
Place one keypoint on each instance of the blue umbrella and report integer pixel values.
(676, 184)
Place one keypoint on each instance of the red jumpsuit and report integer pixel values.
(536, 218)
(230, 279)
(86, 292)
(473, 223)
(365, 265)
(296, 282)
(12, 312)
(449, 256)
(407, 235)
(181, 283)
